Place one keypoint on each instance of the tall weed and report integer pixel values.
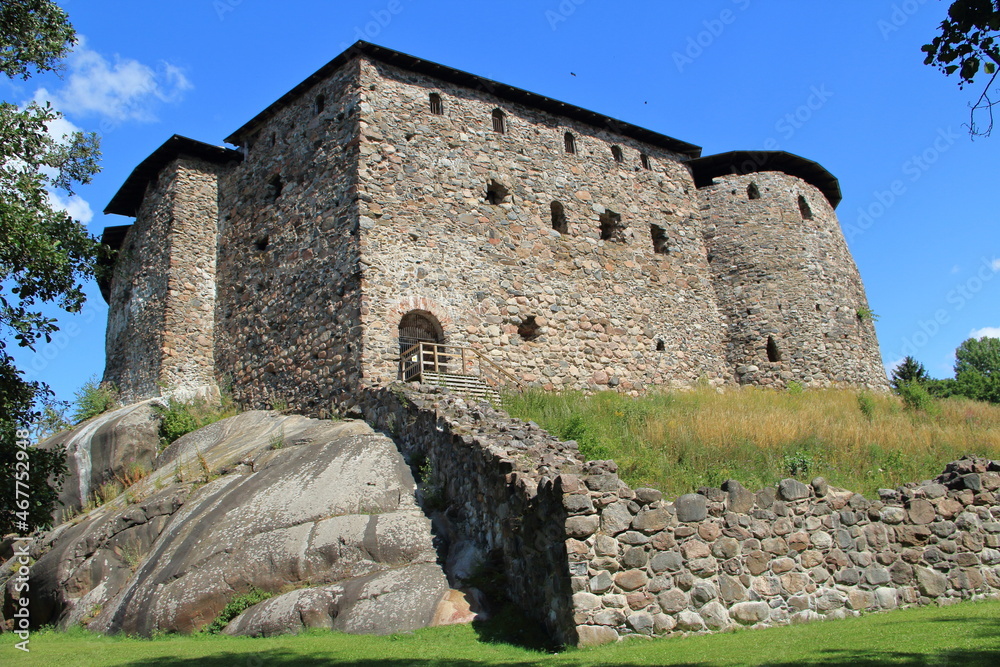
(679, 441)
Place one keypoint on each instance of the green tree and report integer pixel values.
(968, 46)
(44, 254)
(909, 370)
(977, 369)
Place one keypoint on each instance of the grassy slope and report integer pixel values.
(679, 441)
(965, 634)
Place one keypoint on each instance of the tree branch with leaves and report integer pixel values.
(968, 46)
(45, 255)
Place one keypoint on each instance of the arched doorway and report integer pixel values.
(418, 326)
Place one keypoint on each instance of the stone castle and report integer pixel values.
(387, 199)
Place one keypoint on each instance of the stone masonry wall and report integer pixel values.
(289, 304)
(162, 307)
(609, 313)
(136, 308)
(726, 558)
(783, 276)
(595, 560)
(188, 342)
(492, 473)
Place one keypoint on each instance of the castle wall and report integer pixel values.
(596, 561)
(790, 279)
(289, 301)
(432, 242)
(161, 311)
(189, 317)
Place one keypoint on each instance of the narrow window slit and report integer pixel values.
(804, 209)
(773, 353)
(499, 121)
(616, 153)
(529, 329)
(661, 245)
(559, 218)
(437, 106)
(274, 187)
(644, 159)
(496, 193)
(611, 227)
(570, 142)
(753, 192)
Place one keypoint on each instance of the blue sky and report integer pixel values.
(840, 83)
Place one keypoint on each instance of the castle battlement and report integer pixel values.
(387, 199)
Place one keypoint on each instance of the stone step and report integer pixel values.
(467, 385)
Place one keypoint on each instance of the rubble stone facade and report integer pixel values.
(576, 251)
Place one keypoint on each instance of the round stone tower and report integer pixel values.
(787, 287)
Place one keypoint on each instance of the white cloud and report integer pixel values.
(956, 269)
(989, 332)
(119, 91)
(77, 207)
(59, 129)
(995, 265)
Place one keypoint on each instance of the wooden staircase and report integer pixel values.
(462, 370)
(466, 385)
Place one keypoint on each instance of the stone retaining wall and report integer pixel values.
(597, 561)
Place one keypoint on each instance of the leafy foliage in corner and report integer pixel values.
(865, 313)
(94, 398)
(968, 45)
(977, 372)
(236, 606)
(44, 254)
(977, 369)
(39, 498)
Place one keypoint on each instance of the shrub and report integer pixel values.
(94, 398)
(866, 404)
(236, 606)
(915, 397)
(864, 313)
(180, 418)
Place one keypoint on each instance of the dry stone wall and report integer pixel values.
(494, 478)
(595, 560)
(727, 558)
(289, 301)
(790, 293)
(609, 313)
(162, 306)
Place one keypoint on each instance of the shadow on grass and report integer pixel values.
(830, 658)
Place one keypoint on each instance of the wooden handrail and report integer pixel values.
(425, 357)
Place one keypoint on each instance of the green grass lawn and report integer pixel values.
(965, 634)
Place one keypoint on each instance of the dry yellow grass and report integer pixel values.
(681, 440)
